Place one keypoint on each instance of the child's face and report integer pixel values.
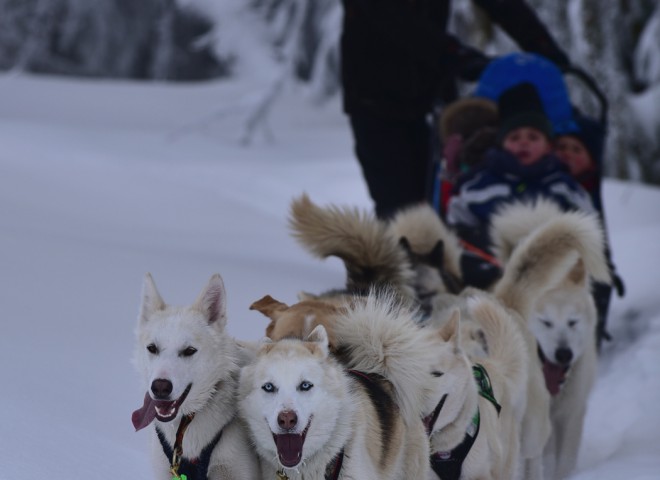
(572, 152)
(527, 144)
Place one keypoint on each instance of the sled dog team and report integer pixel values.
(401, 373)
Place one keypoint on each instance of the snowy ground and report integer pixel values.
(101, 182)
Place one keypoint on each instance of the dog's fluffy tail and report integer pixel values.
(371, 256)
(380, 336)
(545, 257)
(515, 221)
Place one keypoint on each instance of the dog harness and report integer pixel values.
(485, 387)
(183, 468)
(448, 465)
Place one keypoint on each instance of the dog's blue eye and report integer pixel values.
(268, 387)
(305, 386)
(151, 348)
(188, 352)
(437, 374)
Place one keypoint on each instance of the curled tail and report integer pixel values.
(371, 256)
(547, 255)
(380, 336)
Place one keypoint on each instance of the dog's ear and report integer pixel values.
(451, 331)
(320, 337)
(151, 299)
(269, 328)
(578, 274)
(212, 302)
(269, 306)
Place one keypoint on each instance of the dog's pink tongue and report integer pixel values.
(289, 448)
(554, 377)
(145, 415)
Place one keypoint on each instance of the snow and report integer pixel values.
(102, 181)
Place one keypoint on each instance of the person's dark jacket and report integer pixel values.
(396, 54)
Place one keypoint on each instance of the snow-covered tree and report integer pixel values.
(625, 65)
(108, 38)
(297, 41)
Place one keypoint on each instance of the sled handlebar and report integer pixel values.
(593, 87)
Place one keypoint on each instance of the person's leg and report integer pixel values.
(394, 157)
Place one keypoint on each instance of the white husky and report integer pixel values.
(563, 320)
(480, 392)
(190, 368)
(312, 417)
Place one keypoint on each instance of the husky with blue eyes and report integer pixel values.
(311, 416)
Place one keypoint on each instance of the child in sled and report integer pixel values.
(522, 166)
(572, 152)
(581, 151)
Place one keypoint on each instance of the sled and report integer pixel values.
(550, 82)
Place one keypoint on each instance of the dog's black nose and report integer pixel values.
(287, 419)
(564, 355)
(161, 388)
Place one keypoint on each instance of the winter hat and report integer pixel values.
(521, 106)
(514, 68)
(592, 134)
(466, 116)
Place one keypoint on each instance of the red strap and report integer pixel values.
(480, 253)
